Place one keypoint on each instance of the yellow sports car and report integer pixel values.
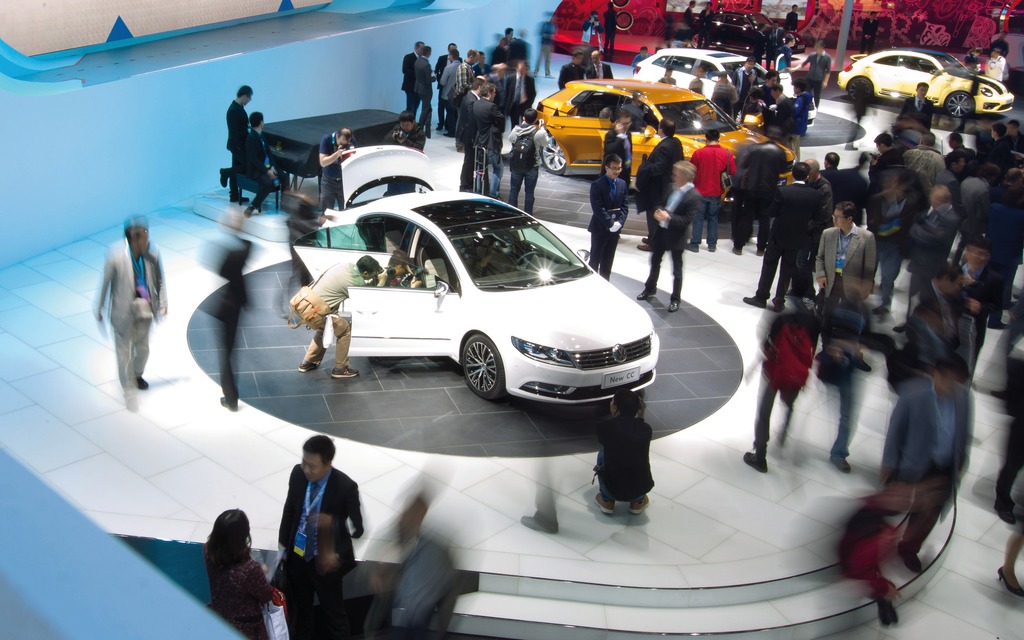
(578, 117)
(895, 73)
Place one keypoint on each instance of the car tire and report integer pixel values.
(959, 104)
(482, 368)
(553, 158)
(857, 83)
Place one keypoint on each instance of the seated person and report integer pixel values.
(400, 273)
(372, 273)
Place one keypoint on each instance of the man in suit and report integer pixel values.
(845, 269)
(232, 300)
(868, 31)
(619, 141)
(133, 281)
(412, 99)
(465, 134)
(926, 445)
(790, 212)
(890, 213)
(608, 202)
(520, 92)
(758, 169)
(423, 85)
(848, 185)
(572, 71)
(1001, 153)
(238, 128)
(439, 67)
(598, 70)
(745, 78)
(315, 536)
(792, 18)
(259, 165)
(931, 238)
(655, 175)
(489, 123)
(983, 297)
(670, 235)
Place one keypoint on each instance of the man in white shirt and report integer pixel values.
(996, 67)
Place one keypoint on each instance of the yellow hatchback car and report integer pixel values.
(576, 129)
(895, 73)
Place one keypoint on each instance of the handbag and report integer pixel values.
(142, 309)
(274, 618)
(726, 181)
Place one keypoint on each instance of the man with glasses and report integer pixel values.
(608, 201)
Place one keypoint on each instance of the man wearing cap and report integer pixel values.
(132, 295)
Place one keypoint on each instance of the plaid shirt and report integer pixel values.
(463, 79)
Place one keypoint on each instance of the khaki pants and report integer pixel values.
(342, 335)
(131, 348)
(794, 146)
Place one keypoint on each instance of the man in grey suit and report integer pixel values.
(424, 87)
(926, 446)
(672, 231)
(132, 294)
(845, 269)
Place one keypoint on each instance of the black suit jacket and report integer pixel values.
(676, 236)
(238, 127)
(255, 154)
(442, 62)
(408, 74)
(924, 115)
(988, 290)
(233, 296)
(655, 174)
(512, 104)
(591, 72)
(489, 123)
(465, 130)
(606, 208)
(340, 501)
(847, 185)
(792, 209)
(1000, 154)
(570, 73)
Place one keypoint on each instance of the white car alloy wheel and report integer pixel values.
(553, 157)
(482, 367)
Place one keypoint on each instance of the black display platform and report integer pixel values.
(422, 404)
(295, 144)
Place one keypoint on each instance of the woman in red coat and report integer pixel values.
(238, 587)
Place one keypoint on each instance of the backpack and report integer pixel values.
(523, 157)
(790, 361)
(308, 308)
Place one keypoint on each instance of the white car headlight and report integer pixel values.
(987, 91)
(541, 353)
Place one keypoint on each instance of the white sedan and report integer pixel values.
(491, 288)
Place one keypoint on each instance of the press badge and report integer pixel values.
(840, 261)
(300, 544)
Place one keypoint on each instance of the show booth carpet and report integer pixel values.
(423, 404)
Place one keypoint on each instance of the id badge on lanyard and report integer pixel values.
(840, 261)
(299, 547)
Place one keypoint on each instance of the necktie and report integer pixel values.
(919, 105)
(519, 88)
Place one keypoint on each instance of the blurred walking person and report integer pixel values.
(232, 300)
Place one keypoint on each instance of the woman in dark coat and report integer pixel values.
(238, 587)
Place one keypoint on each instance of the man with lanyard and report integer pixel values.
(745, 80)
(315, 540)
(334, 148)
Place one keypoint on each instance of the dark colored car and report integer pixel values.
(738, 30)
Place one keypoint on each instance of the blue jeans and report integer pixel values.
(889, 262)
(600, 482)
(846, 385)
(494, 159)
(708, 211)
(517, 179)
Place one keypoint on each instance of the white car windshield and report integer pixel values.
(502, 248)
(697, 117)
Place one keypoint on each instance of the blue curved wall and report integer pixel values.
(79, 161)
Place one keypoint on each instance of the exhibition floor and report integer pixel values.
(170, 469)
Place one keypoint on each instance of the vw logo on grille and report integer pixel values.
(619, 353)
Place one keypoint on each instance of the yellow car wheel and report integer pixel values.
(959, 104)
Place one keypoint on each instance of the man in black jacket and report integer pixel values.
(918, 108)
(465, 134)
(598, 69)
(315, 537)
(442, 62)
(259, 164)
(673, 231)
(791, 214)
(759, 168)
(412, 99)
(848, 185)
(520, 92)
(489, 124)
(623, 463)
(572, 71)
(232, 300)
(868, 31)
(238, 128)
(653, 178)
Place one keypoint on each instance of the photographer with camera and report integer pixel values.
(401, 274)
(334, 148)
(407, 133)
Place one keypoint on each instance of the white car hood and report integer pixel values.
(595, 315)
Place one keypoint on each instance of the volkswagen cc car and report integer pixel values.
(576, 128)
(494, 290)
(895, 73)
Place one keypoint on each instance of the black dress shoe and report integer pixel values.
(673, 306)
(223, 178)
(998, 325)
(754, 461)
(141, 384)
(900, 328)
(645, 294)
(230, 407)
(1006, 515)
(911, 561)
(886, 612)
(756, 302)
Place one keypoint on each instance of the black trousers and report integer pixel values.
(303, 582)
(229, 330)
(602, 253)
(332, 193)
(266, 188)
(466, 177)
(657, 253)
(763, 420)
(237, 166)
(1014, 461)
(774, 257)
(747, 208)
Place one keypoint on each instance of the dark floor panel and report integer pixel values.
(423, 404)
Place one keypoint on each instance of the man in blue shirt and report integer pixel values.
(640, 57)
(334, 148)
